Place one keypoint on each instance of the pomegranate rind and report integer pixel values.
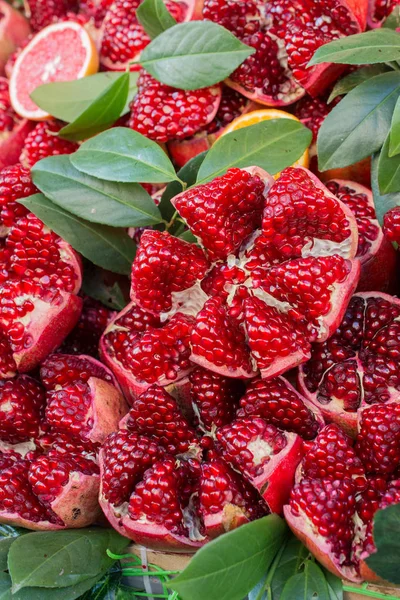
(11, 146)
(14, 29)
(77, 505)
(49, 326)
(108, 408)
(231, 517)
(267, 100)
(29, 55)
(158, 537)
(318, 545)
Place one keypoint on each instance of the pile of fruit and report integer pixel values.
(254, 369)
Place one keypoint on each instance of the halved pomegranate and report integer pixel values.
(358, 365)
(40, 276)
(13, 129)
(282, 277)
(341, 486)
(14, 29)
(285, 35)
(168, 488)
(376, 253)
(123, 37)
(49, 438)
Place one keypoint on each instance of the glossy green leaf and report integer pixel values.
(59, 559)
(385, 562)
(308, 585)
(335, 585)
(121, 154)
(230, 566)
(101, 114)
(107, 247)
(110, 203)
(393, 20)
(388, 170)
(288, 563)
(383, 202)
(271, 145)
(371, 47)
(394, 145)
(194, 55)
(358, 125)
(352, 80)
(188, 174)
(67, 100)
(8, 535)
(154, 16)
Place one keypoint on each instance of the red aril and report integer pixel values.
(376, 254)
(391, 225)
(358, 365)
(13, 129)
(48, 58)
(379, 10)
(43, 141)
(14, 29)
(42, 13)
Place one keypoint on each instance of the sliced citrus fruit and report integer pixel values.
(60, 52)
(266, 114)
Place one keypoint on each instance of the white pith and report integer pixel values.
(187, 302)
(260, 450)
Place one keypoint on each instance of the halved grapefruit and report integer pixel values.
(60, 52)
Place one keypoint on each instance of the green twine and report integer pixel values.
(364, 591)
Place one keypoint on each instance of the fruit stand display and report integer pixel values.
(199, 312)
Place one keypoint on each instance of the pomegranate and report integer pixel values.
(340, 486)
(255, 308)
(376, 254)
(13, 129)
(166, 487)
(14, 29)
(40, 276)
(162, 113)
(232, 105)
(285, 35)
(358, 365)
(123, 37)
(49, 438)
(43, 141)
(96, 10)
(379, 10)
(391, 225)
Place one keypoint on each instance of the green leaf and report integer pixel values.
(394, 145)
(67, 100)
(38, 593)
(388, 171)
(101, 114)
(106, 587)
(188, 237)
(95, 285)
(154, 16)
(291, 560)
(383, 202)
(271, 145)
(308, 585)
(121, 154)
(393, 20)
(58, 559)
(371, 47)
(194, 55)
(188, 175)
(352, 80)
(230, 566)
(8, 535)
(358, 125)
(107, 247)
(109, 203)
(335, 585)
(385, 562)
